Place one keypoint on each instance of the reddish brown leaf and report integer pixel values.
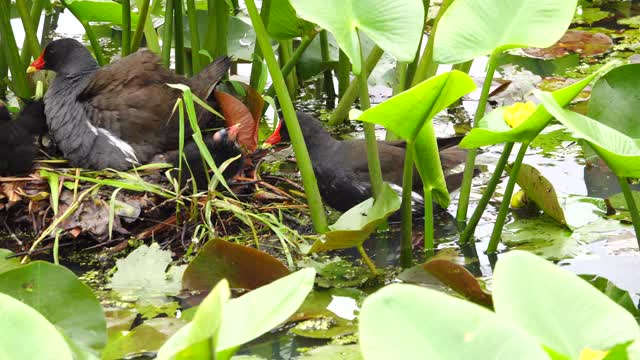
(242, 266)
(459, 279)
(575, 41)
(255, 103)
(235, 112)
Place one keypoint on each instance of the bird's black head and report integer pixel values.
(64, 56)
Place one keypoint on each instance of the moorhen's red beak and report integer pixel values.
(37, 64)
(275, 137)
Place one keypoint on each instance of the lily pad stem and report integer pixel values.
(506, 200)
(429, 244)
(470, 229)
(406, 253)
(631, 205)
(465, 189)
(369, 134)
(316, 209)
(367, 260)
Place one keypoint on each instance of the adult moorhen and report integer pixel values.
(17, 148)
(119, 115)
(342, 170)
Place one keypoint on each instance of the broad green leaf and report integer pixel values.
(615, 100)
(541, 192)
(395, 25)
(618, 150)
(253, 314)
(619, 296)
(421, 323)
(242, 266)
(62, 299)
(284, 23)
(356, 225)
(98, 11)
(492, 128)
(564, 312)
(26, 334)
(7, 264)
(197, 339)
(409, 115)
(472, 28)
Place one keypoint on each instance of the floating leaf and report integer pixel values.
(30, 335)
(460, 280)
(63, 300)
(582, 42)
(618, 202)
(146, 337)
(358, 223)
(333, 352)
(564, 312)
(532, 23)
(143, 274)
(541, 192)
(335, 308)
(242, 266)
(395, 25)
(411, 318)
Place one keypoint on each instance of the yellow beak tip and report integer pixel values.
(31, 69)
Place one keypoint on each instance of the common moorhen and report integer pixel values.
(342, 170)
(119, 115)
(17, 148)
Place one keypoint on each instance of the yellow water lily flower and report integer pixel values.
(517, 113)
(590, 354)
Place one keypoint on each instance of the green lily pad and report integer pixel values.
(564, 312)
(490, 25)
(242, 266)
(620, 151)
(63, 300)
(8, 264)
(334, 352)
(395, 25)
(326, 314)
(253, 314)
(284, 23)
(618, 202)
(541, 192)
(492, 128)
(409, 115)
(99, 11)
(30, 335)
(411, 318)
(356, 225)
(619, 296)
(197, 339)
(615, 100)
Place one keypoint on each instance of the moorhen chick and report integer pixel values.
(17, 148)
(222, 146)
(342, 170)
(120, 115)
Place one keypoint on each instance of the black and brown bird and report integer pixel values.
(120, 115)
(17, 148)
